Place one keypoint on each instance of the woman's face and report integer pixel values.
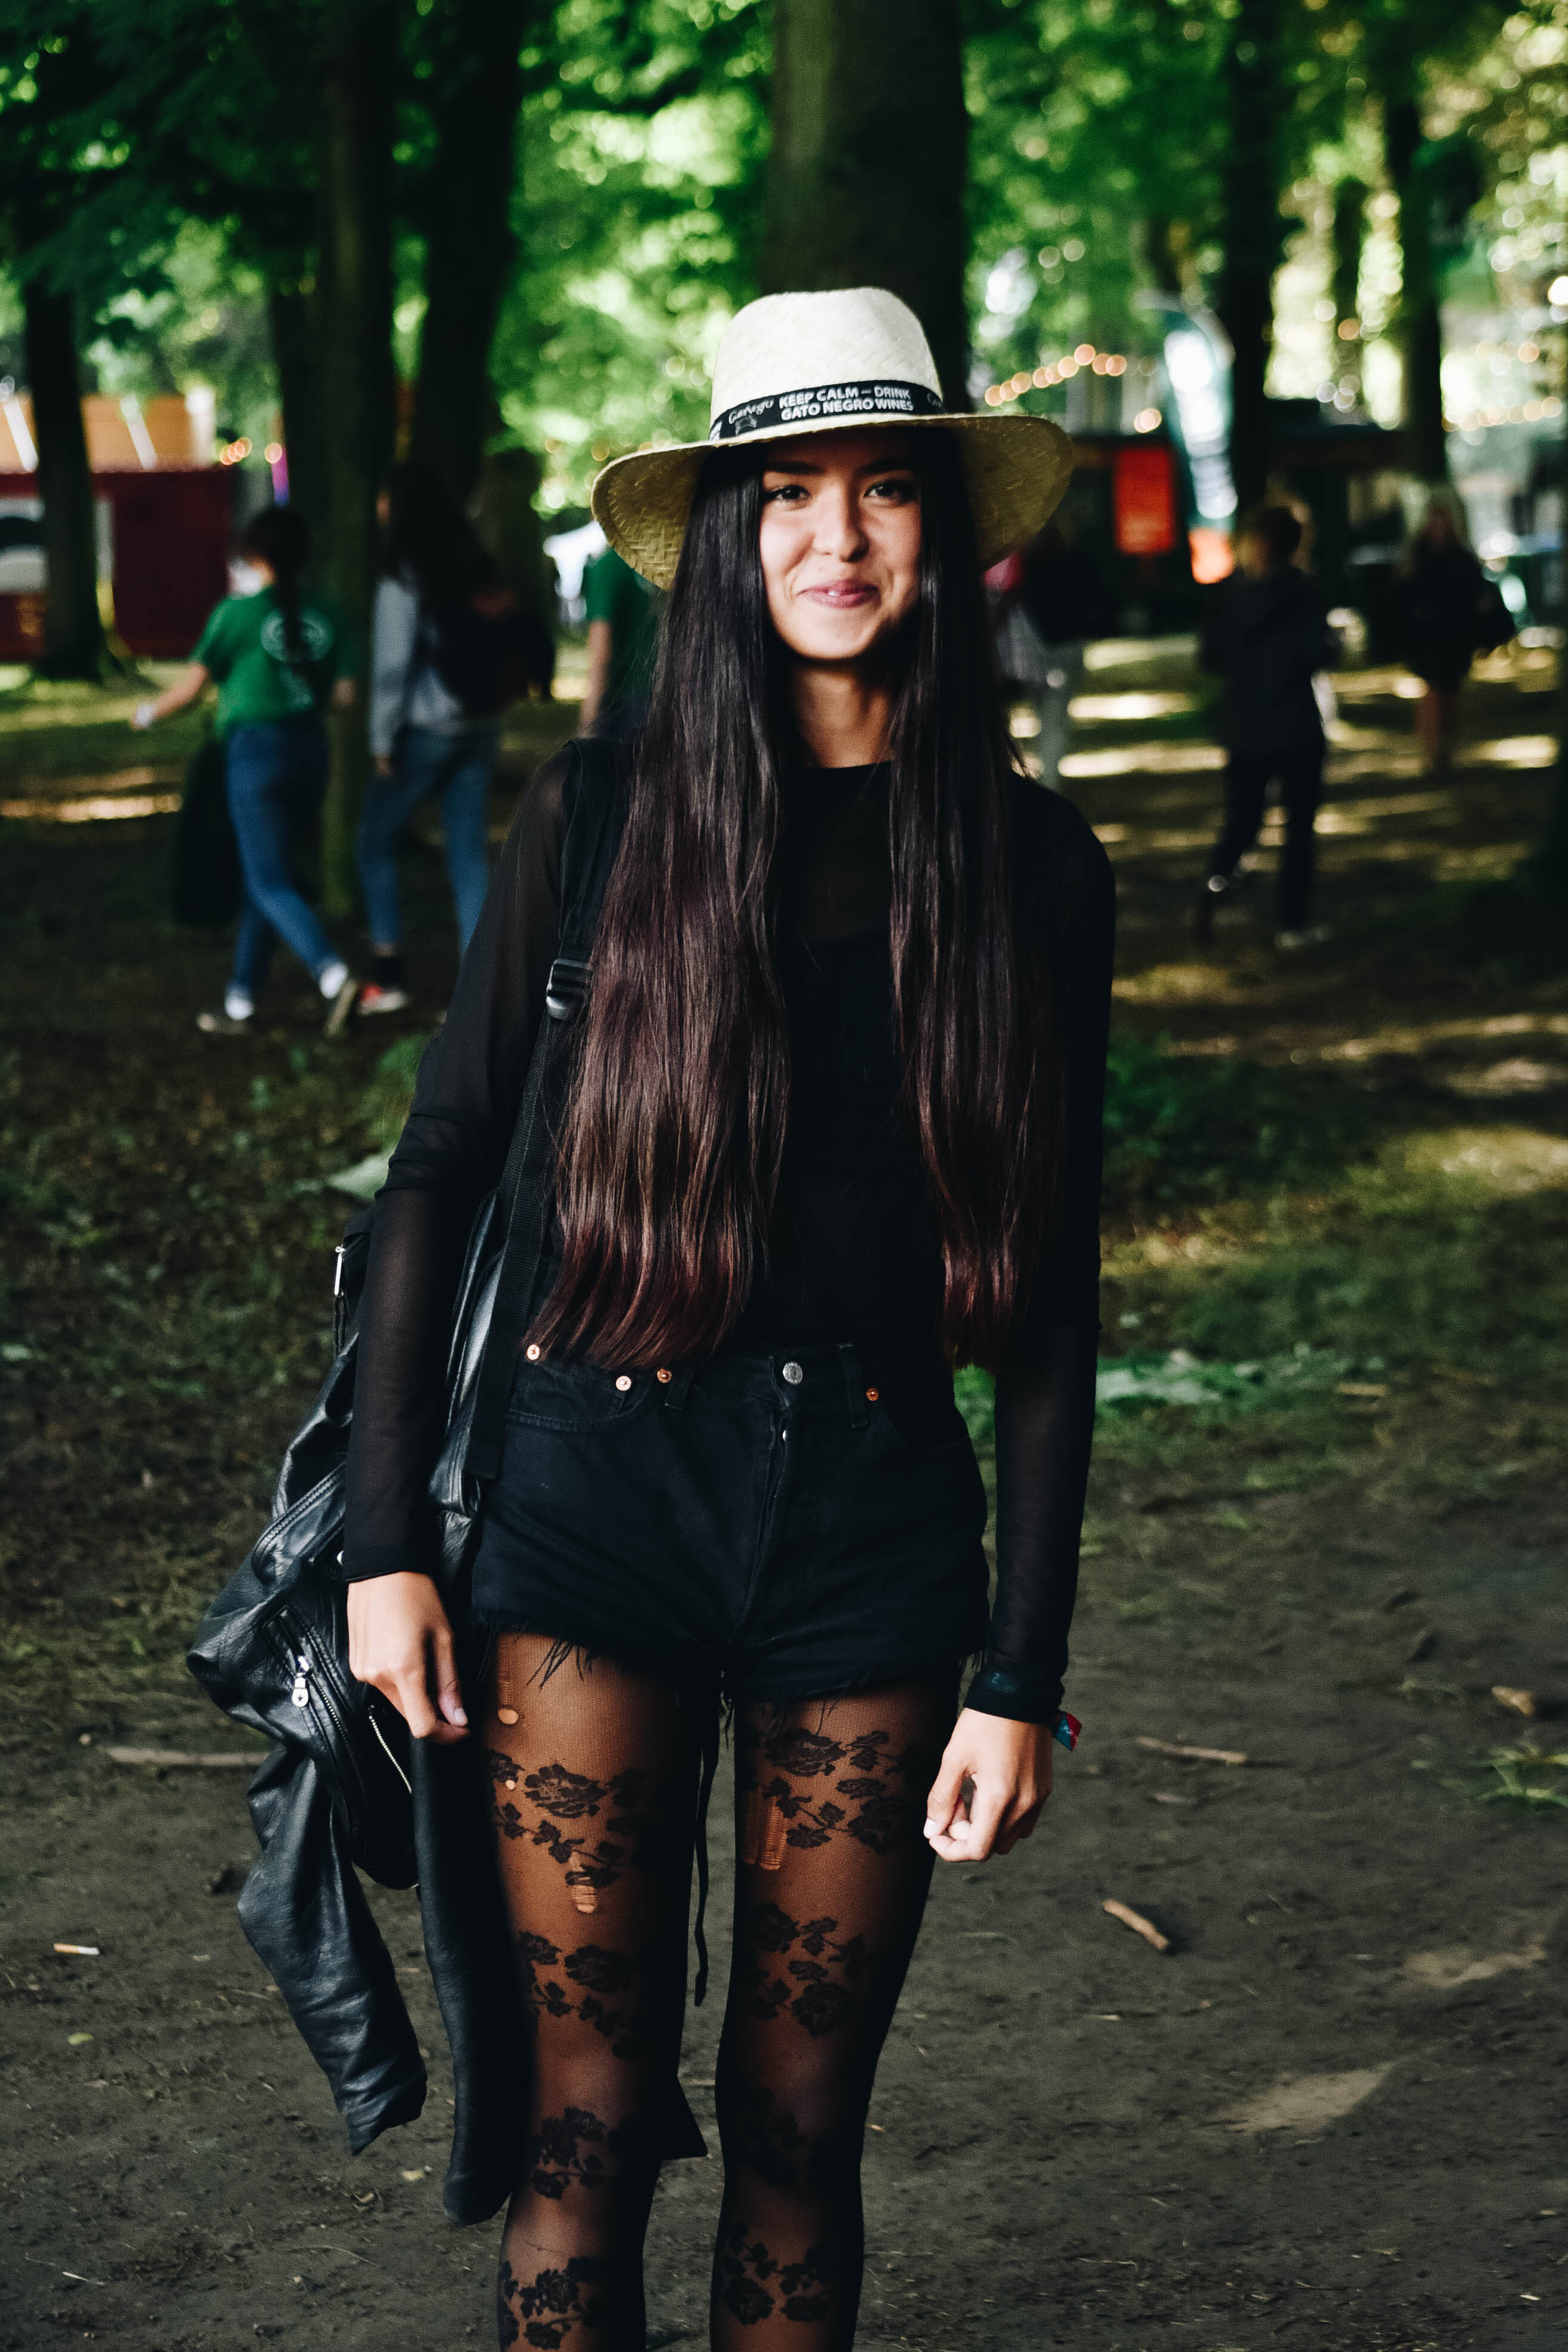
(840, 542)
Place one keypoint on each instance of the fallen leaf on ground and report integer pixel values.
(1518, 1702)
(1308, 2101)
(1139, 1925)
(1443, 1971)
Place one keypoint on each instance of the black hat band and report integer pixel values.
(872, 398)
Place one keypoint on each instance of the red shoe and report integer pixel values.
(372, 999)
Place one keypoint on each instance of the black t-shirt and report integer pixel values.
(853, 1254)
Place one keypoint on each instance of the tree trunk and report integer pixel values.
(1252, 233)
(866, 181)
(1549, 866)
(354, 311)
(1349, 236)
(468, 242)
(1420, 321)
(73, 632)
(1163, 241)
(293, 313)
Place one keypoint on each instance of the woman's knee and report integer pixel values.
(801, 2134)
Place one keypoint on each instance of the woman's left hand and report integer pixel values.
(995, 1775)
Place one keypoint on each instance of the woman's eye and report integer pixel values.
(897, 489)
(792, 491)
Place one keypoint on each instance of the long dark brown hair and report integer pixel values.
(675, 1123)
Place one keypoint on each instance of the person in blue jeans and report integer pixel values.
(277, 660)
(424, 742)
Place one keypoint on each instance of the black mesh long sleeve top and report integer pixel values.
(853, 1252)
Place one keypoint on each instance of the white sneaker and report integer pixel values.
(375, 999)
(1313, 936)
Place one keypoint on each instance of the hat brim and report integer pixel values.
(1016, 469)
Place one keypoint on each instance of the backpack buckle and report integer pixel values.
(566, 987)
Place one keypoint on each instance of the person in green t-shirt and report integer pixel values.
(277, 660)
(623, 640)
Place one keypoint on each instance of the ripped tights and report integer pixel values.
(594, 1771)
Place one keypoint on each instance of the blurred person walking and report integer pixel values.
(1050, 599)
(623, 646)
(445, 657)
(1266, 639)
(277, 660)
(1450, 612)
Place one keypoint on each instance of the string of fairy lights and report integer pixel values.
(1050, 372)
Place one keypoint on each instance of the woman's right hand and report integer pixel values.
(401, 1643)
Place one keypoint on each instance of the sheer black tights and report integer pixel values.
(595, 1772)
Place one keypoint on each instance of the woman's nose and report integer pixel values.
(838, 530)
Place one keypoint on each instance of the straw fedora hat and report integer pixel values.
(794, 363)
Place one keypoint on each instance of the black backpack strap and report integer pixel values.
(595, 815)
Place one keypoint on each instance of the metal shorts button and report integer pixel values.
(623, 1381)
(793, 1373)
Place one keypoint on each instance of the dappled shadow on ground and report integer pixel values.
(1325, 1528)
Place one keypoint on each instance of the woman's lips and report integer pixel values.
(841, 596)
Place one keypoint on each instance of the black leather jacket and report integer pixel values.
(345, 1788)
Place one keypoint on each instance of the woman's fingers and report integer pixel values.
(401, 1643)
(449, 1691)
(994, 1778)
(944, 1805)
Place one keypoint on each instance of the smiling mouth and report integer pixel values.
(840, 594)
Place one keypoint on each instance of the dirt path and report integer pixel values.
(1328, 2118)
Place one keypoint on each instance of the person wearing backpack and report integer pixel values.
(444, 658)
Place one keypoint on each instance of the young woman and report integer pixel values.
(423, 742)
(277, 658)
(834, 1125)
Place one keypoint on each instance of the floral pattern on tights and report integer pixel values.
(605, 1990)
(543, 2311)
(879, 1801)
(752, 2285)
(804, 1967)
(629, 1832)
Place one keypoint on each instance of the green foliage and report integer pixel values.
(1185, 1127)
(384, 1105)
(637, 222)
(1527, 1776)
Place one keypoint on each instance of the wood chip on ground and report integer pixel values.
(1139, 1925)
(1194, 1755)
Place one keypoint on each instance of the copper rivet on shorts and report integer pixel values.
(533, 1351)
(663, 1375)
(623, 1381)
(506, 1713)
(872, 1394)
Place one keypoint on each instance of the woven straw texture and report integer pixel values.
(1016, 467)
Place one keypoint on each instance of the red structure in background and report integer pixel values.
(1144, 494)
(171, 555)
(163, 509)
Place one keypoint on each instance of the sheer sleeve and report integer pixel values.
(1044, 1393)
(450, 1154)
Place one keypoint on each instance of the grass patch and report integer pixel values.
(1527, 1776)
(1181, 1128)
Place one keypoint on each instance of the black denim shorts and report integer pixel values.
(782, 1527)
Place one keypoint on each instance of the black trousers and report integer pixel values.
(1301, 774)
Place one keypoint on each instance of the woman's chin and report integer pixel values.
(829, 637)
